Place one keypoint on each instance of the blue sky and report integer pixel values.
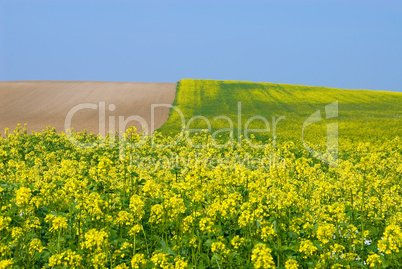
(345, 44)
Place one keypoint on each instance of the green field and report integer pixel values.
(363, 115)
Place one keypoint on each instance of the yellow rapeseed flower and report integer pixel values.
(138, 260)
(291, 264)
(261, 257)
(374, 260)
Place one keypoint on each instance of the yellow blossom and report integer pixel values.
(138, 260)
(94, 238)
(291, 264)
(373, 260)
(261, 257)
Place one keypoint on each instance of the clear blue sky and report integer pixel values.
(345, 44)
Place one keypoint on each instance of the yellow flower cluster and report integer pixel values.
(392, 240)
(307, 248)
(22, 196)
(219, 248)
(138, 260)
(161, 260)
(237, 242)
(374, 260)
(66, 206)
(35, 246)
(68, 258)
(124, 218)
(4, 222)
(325, 232)
(261, 257)
(6, 264)
(58, 223)
(94, 238)
(291, 264)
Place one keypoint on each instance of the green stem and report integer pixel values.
(58, 243)
(146, 242)
(134, 245)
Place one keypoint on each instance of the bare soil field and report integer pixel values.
(98, 106)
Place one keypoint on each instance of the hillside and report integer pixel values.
(363, 115)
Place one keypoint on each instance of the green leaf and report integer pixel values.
(317, 244)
